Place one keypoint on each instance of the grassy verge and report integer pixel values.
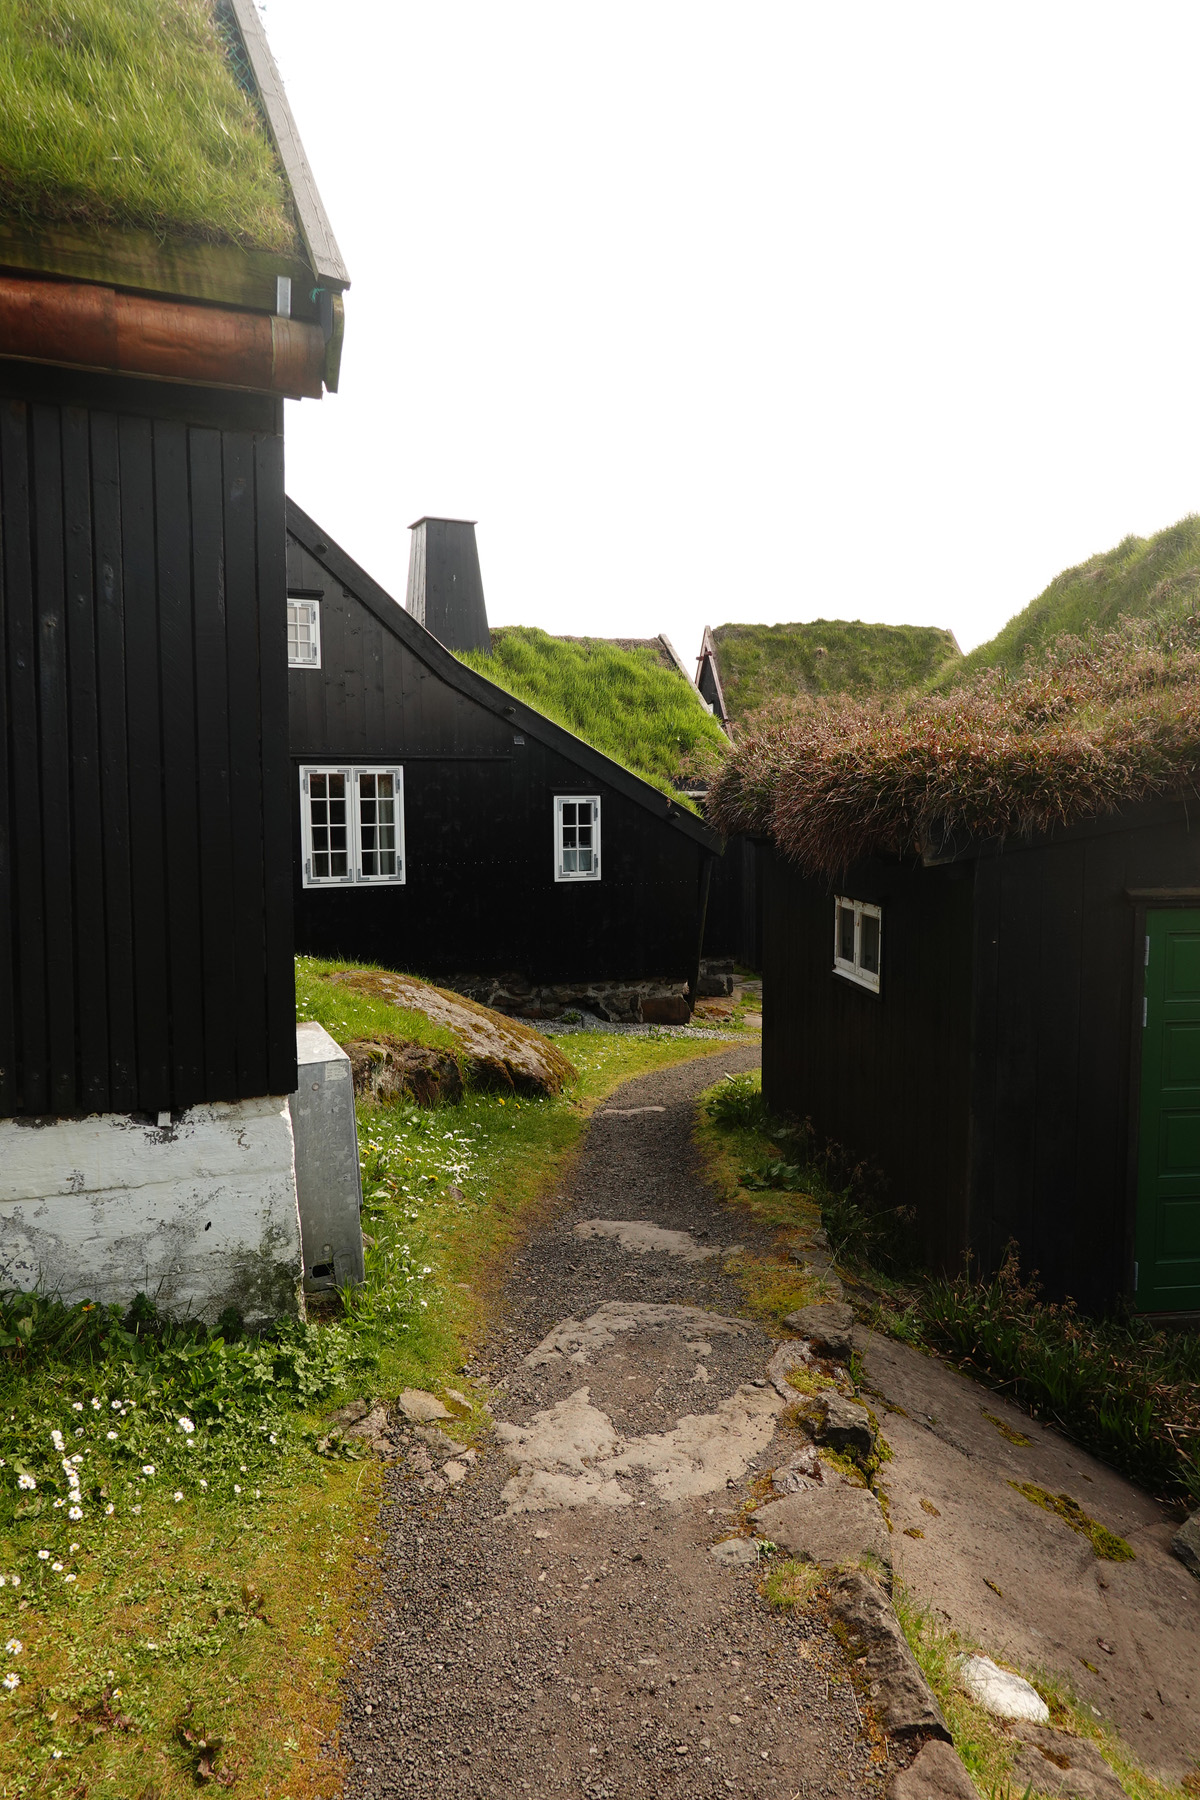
(201, 1589)
(348, 1013)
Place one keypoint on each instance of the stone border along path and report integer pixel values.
(575, 1611)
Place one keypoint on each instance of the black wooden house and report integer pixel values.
(443, 827)
(145, 857)
(1005, 1023)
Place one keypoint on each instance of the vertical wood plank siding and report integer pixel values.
(145, 861)
(885, 1075)
(480, 896)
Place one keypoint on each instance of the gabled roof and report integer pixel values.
(342, 567)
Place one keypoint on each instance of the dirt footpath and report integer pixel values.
(558, 1623)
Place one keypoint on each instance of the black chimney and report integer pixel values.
(445, 588)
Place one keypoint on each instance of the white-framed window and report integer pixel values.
(352, 826)
(577, 837)
(857, 938)
(304, 634)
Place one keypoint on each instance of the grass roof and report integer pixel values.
(761, 663)
(129, 113)
(1093, 726)
(1140, 578)
(623, 703)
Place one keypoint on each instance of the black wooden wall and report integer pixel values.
(885, 1075)
(480, 896)
(1058, 943)
(145, 825)
(733, 926)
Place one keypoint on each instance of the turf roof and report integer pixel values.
(761, 663)
(1140, 578)
(129, 113)
(1092, 726)
(623, 702)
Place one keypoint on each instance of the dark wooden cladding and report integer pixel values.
(734, 923)
(885, 1075)
(480, 896)
(994, 1078)
(145, 867)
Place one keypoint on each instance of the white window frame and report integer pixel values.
(560, 873)
(303, 603)
(854, 971)
(354, 876)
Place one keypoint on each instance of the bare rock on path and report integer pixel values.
(936, 1773)
(498, 1052)
(791, 1356)
(828, 1324)
(1053, 1762)
(830, 1524)
(640, 1237)
(1002, 1693)
(845, 1426)
(578, 1342)
(903, 1699)
(421, 1407)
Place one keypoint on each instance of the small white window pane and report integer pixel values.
(845, 933)
(377, 824)
(304, 634)
(329, 822)
(868, 949)
(577, 849)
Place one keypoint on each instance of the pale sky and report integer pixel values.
(754, 312)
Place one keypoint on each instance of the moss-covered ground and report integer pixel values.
(207, 1565)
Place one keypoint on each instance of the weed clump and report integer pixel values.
(1106, 1544)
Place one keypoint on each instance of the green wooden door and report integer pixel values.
(1168, 1211)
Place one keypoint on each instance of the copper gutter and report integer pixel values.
(96, 327)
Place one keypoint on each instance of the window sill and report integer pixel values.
(870, 984)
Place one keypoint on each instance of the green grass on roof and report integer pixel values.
(1141, 578)
(621, 702)
(128, 113)
(760, 663)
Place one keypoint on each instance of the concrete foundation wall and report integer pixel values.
(198, 1215)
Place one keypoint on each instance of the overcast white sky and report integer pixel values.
(753, 312)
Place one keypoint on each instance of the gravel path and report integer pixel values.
(600, 1649)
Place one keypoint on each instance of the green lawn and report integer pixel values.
(621, 702)
(217, 1601)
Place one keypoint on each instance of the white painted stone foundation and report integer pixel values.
(199, 1215)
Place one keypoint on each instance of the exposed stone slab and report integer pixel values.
(641, 1238)
(937, 1773)
(416, 1404)
(796, 1355)
(845, 1426)
(389, 1072)
(742, 1552)
(831, 1524)
(1002, 1693)
(1053, 1762)
(828, 1324)
(578, 1342)
(1186, 1543)
(900, 1694)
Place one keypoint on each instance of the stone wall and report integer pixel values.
(621, 1002)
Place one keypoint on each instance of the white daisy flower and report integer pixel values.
(68, 1578)
(27, 1482)
(136, 1510)
(56, 1438)
(74, 1512)
(13, 1647)
(43, 1556)
(57, 1567)
(147, 1468)
(177, 1496)
(109, 1510)
(111, 1436)
(204, 1484)
(116, 1405)
(236, 1488)
(11, 1681)
(186, 1425)
(95, 1404)
(77, 1406)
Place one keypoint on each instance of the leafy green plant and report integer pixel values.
(738, 1104)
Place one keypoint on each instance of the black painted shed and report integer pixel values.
(443, 827)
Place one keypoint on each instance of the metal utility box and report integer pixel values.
(328, 1183)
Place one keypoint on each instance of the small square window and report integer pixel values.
(304, 634)
(857, 939)
(577, 837)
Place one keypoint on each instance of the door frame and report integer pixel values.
(1144, 901)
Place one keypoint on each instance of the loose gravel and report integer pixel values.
(602, 1653)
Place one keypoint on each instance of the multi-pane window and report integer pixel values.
(857, 927)
(352, 824)
(304, 634)
(577, 837)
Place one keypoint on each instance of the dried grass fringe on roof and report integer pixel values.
(1096, 724)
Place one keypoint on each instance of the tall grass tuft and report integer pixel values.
(1095, 725)
(129, 113)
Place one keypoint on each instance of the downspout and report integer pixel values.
(706, 869)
